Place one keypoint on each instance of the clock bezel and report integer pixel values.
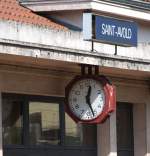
(109, 93)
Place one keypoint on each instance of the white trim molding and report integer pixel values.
(95, 5)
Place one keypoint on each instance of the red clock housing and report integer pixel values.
(110, 99)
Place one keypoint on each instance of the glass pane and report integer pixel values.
(73, 132)
(44, 123)
(12, 122)
(79, 134)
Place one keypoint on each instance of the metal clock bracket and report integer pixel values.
(92, 70)
(89, 69)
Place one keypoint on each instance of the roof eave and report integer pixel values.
(95, 5)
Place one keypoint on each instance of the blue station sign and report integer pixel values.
(109, 30)
(115, 31)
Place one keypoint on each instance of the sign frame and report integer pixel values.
(109, 30)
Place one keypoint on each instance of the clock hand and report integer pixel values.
(90, 107)
(88, 95)
(88, 99)
(89, 92)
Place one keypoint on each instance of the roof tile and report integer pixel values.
(12, 10)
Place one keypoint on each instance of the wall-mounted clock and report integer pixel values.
(89, 98)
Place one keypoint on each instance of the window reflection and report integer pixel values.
(44, 123)
(73, 135)
(79, 134)
(12, 122)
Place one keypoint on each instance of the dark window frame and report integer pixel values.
(25, 138)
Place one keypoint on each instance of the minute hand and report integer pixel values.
(88, 99)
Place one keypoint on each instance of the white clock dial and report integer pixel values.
(87, 99)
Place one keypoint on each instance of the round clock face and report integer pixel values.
(87, 99)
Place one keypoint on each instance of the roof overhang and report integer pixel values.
(94, 5)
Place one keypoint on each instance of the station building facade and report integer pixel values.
(41, 50)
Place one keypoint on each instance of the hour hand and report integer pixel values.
(88, 99)
(88, 95)
(89, 92)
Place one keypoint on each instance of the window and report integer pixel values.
(12, 122)
(42, 121)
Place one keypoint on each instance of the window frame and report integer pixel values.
(26, 99)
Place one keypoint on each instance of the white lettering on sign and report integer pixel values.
(108, 29)
(124, 32)
(112, 30)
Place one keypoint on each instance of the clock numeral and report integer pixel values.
(81, 86)
(82, 111)
(87, 83)
(77, 92)
(89, 114)
(99, 106)
(99, 92)
(95, 112)
(72, 109)
(80, 116)
(101, 98)
(77, 106)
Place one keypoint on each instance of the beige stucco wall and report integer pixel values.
(53, 84)
(107, 141)
(148, 126)
(103, 138)
(72, 39)
(139, 123)
(1, 143)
